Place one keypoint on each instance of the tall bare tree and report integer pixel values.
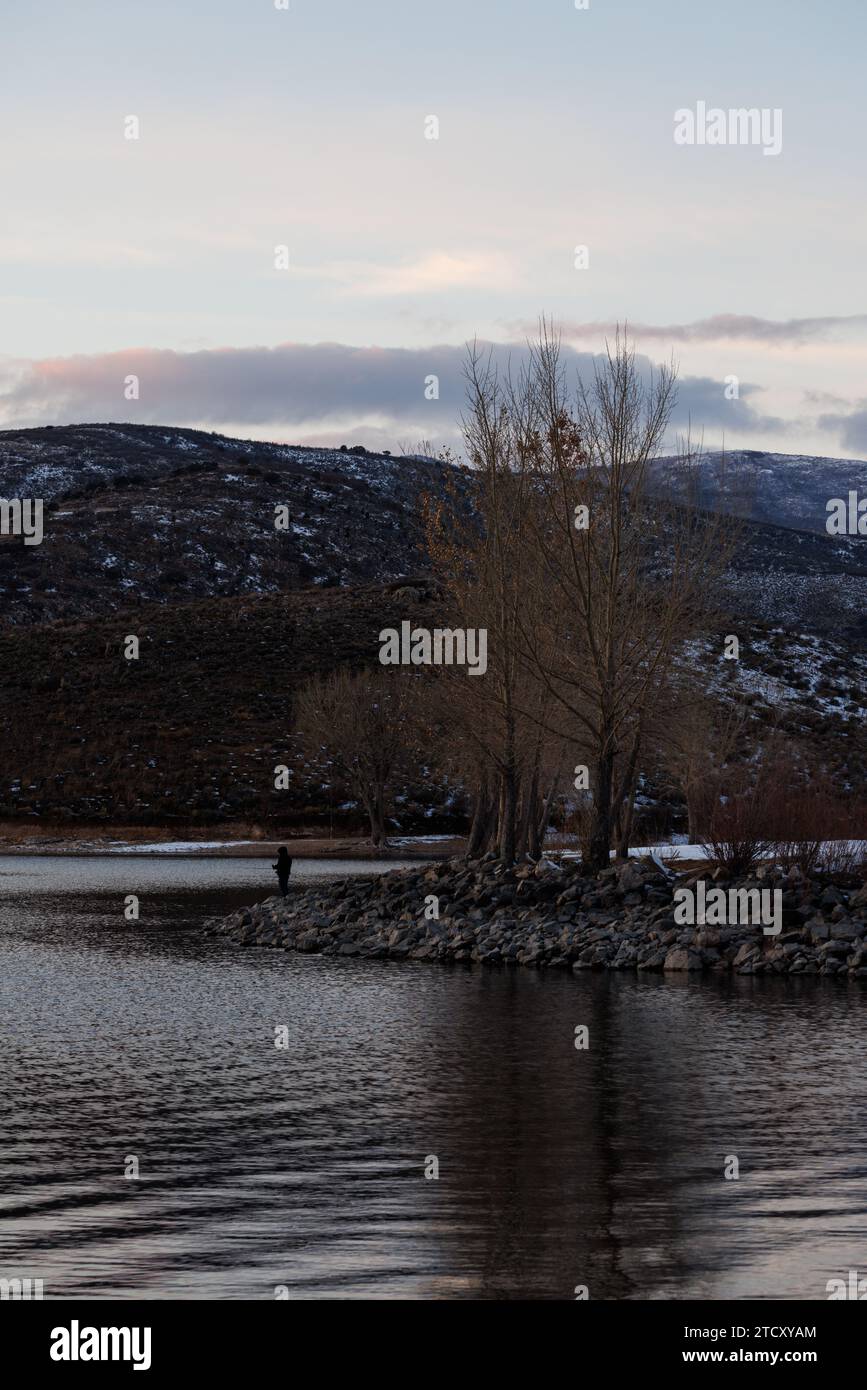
(628, 572)
(480, 549)
(587, 577)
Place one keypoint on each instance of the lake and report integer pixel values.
(303, 1167)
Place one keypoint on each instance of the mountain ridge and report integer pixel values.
(731, 481)
(140, 514)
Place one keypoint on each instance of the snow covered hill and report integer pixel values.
(170, 533)
(144, 514)
(782, 489)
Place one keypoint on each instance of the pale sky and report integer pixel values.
(305, 128)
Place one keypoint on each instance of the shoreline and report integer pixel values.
(183, 845)
(556, 916)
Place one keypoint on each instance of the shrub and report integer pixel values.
(735, 814)
(843, 857)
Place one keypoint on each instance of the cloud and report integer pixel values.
(702, 405)
(293, 384)
(323, 387)
(718, 328)
(828, 399)
(849, 426)
(429, 274)
(41, 248)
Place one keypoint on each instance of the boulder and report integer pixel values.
(746, 953)
(683, 958)
(630, 877)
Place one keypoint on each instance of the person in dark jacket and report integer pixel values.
(283, 869)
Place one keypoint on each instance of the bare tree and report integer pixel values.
(481, 551)
(359, 720)
(588, 576)
(627, 572)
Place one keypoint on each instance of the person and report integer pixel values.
(283, 869)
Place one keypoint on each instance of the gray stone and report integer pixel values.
(845, 930)
(682, 959)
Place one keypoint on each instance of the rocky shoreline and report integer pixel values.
(557, 915)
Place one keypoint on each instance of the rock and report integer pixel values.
(655, 961)
(845, 930)
(818, 930)
(308, 942)
(833, 948)
(683, 959)
(746, 953)
(630, 877)
(708, 936)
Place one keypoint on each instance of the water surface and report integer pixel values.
(304, 1167)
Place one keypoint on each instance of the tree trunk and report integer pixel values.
(600, 825)
(373, 807)
(536, 831)
(626, 827)
(540, 825)
(508, 808)
(626, 798)
(692, 820)
(480, 827)
(529, 842)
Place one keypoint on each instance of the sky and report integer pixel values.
(307, 128)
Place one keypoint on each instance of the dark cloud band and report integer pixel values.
(301, 387)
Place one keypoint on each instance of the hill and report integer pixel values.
(781, 489)
(138, 514)
(169, 535)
